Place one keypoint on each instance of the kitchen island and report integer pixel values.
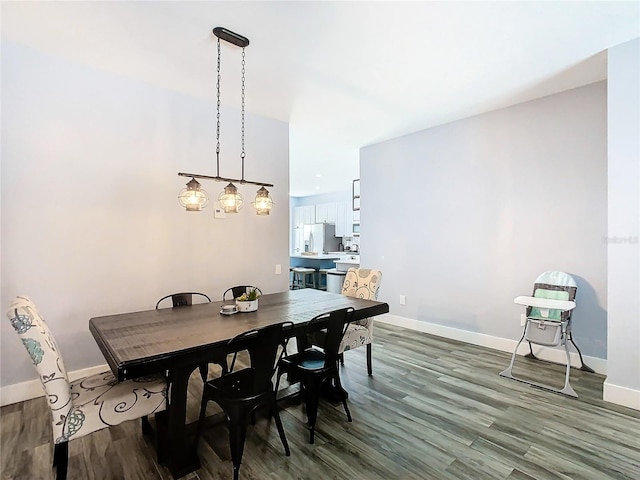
(320, 261)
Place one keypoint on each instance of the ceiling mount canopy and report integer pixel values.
(231, 37)
(193, 198)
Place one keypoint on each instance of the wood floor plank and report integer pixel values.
(435, 409)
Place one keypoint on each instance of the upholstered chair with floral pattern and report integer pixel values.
(360, 283)
(85, 405)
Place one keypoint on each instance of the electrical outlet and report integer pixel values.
(219, 213)
(402, 299)
(278, 269)
(523, 319)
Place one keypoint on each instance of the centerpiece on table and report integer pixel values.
(248, 301)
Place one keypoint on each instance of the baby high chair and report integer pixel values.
(548, 322)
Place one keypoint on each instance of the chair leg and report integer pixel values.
(283, 438)
(237, 435)
(61, 459)
(369, 365)
(531, 354)
(223, 365)
(146, 426)
(583, 367)
(312, 400)
(344, 399)
(508, 372)
(203, 409)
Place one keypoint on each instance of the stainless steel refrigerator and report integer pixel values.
(320, 238)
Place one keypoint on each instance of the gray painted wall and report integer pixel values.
(90, 219)
(463, 217)
(624, 216)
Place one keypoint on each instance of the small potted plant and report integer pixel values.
(248, 301)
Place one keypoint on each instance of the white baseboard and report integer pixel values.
(497, 343)
(624, 396)
(19, 392)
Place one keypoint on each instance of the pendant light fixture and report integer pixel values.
(263, 202)
(193, 198)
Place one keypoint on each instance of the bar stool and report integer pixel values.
(322, 273)
(301, 277)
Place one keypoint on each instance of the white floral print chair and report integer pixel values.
(360, 283)
(86, 405)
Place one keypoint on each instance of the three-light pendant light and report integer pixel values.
(193, 198)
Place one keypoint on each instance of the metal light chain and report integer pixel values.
(242, 155)
(218, 116)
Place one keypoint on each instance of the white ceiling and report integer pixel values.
(343, 74)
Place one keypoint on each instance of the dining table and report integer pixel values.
(175, 341)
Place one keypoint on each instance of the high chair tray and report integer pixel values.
(545, 303)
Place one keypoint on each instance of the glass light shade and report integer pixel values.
(230, 200)
(263, 202)
(193, 198)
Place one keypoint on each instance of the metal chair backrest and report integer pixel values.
(333, 324)
(262, 345)
(182, 299)
(239, 290)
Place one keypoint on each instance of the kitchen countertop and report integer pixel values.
(349, 261)
(317, 257)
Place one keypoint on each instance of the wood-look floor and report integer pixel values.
(434, 409)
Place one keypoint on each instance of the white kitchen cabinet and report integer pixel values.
(298, 241)
(298, 217)
(309, 214)
(326, 212)
(321, 212)
(332, 212)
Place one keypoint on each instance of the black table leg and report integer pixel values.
(175, 443)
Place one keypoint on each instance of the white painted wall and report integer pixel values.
(90, 219)
(463, 217)
(624, 223)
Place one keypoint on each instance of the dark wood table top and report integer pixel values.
(151, 341)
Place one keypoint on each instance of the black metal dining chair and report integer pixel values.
(240, 393)
(238, 290)
(317, 368)
(184, 299)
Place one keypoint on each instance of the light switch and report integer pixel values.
(278, 269)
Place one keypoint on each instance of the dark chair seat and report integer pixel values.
(311, 359)
(236, 387)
